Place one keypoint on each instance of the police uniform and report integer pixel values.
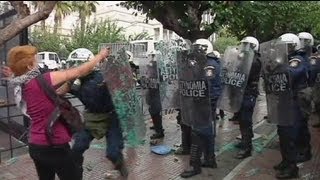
(315, 84)
(304, 99)
(203, 140)
(154, 101)
(100, 119)
(288, 134)
(247, 107)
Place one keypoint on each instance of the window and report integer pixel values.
(56, 58)
(51, 57)
(41, 56)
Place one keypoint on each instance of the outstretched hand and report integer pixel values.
(105, 52)
(6, 71)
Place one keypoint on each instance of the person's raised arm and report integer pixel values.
(58, 77)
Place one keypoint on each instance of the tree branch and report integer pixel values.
(18, 25)
(21, 8)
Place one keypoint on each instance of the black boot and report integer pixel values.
(195, 161)
(239, 145)
(192, 172)
(185, 141)
(290, 172)
(209, 161)
(235, 117)
(244, 153)
(281, 166)
(221, 113)
(246, 149)
(157, 135)
(304, 156)
(157, 121)
(246, 134)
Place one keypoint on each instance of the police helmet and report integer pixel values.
(216, 54)
(253, 41)
(306, 38)
(205, 45)
(290, 38)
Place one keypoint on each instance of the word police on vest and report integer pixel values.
(151, 83)
(168, 73)
(234, 78)
(278, 83)
(193, 88)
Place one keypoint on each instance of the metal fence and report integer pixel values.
(13, 125)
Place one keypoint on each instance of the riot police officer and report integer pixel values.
(315, 83)
(153, 100)
(288, 132)
(249, 99)
(304, 95)
(100, 120)
(202, 136)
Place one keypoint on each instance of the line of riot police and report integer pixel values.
(203, 82)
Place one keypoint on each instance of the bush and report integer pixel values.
(95, 34)
(223, 42)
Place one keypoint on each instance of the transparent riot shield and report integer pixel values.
(167, 64)
(119, 78)
(236, 65)
(194, 90)
(149, 83)
(277, 81)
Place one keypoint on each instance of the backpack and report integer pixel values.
(64, 111)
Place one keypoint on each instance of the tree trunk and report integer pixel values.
(18, 25)
(57, 20)
(43, 25)
(82, 20)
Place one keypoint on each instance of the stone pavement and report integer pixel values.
(145, 165)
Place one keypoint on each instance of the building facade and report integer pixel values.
(121, 16)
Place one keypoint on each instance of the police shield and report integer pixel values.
(194, 89)
(167, 64)
(277, 81)
(315, 71)
(149, 83)
(315, 78)
(122, 86)
(236, 65)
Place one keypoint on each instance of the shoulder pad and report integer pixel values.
(313, 60)
(77, 82)
(210, 71)
(209, 67)
(294, 62)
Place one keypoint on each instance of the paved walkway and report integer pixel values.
(144, 165)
